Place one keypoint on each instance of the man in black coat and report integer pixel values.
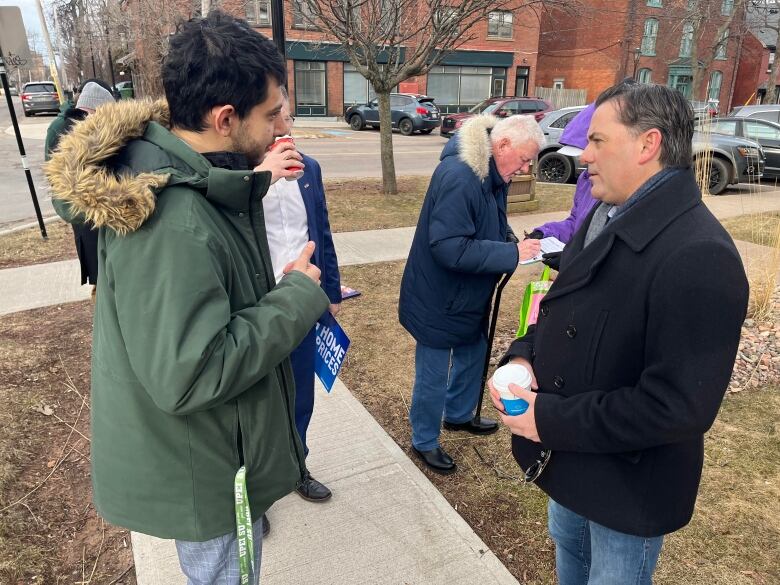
(633, 349)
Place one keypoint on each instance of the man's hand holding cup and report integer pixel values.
(282, 160)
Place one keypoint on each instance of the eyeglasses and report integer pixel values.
(536, 468)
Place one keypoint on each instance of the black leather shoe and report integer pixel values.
(437, 460)
(312, 490)
(485, 426)
(266, 526)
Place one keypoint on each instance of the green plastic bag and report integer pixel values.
(534, 293)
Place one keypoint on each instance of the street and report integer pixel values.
(343, 153)
(15, 202)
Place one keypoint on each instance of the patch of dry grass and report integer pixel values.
(759, 228)
(359, 204)
(736, 530)
(28, 247)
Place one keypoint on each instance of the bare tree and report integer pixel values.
(408, 36)
(704, 46)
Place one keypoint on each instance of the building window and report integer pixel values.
(303, 16)
(716, 79)
(645, 76)
(455, 85)
(444, 16)
(558, 83)
(521, 83)
(310, 87)
(357, 89)
(655, 3)
(258, 12)
(722, 48)
(727, 7)
(500, 24)
(649, 36)
(687, 40)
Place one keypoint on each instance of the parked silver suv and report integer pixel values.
(769, 112)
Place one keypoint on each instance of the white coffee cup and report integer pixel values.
(512, 374)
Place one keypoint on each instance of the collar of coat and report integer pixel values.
(475, 148)
(80, 176)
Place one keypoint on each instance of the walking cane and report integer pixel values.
(491, 334)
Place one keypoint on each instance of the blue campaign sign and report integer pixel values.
(332, 346)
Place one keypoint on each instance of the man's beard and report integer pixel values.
(244, 143)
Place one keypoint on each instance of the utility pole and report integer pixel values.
(277, 26)
(53, 63)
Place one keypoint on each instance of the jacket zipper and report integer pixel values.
(285, 395)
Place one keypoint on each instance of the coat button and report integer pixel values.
(558, 382)
(240, 214)
(257, 276)
(571, 331)
(545, 310)
(246, 178)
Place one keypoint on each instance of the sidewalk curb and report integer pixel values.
(17, 228)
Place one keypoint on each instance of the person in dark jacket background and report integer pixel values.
(461, 246)
(633, 349)
(94, 93)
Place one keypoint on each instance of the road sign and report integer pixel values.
(13, 37)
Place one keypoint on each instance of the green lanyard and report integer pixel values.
(245, 538)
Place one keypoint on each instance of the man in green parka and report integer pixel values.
(191, 379)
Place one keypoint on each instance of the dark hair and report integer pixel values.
(215, 61)
(100, 82)
(642, 107)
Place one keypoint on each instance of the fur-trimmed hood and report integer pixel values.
(472, 144)
(81, 179)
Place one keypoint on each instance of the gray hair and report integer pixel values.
(519, 130)
(642, 107)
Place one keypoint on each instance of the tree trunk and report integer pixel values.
(696, 71)
(389, 186)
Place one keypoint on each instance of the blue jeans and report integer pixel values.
(587, 553)
(446, 382)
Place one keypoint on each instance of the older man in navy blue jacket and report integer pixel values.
(461, 246)
(295, 213)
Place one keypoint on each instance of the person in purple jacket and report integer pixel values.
(574, 139)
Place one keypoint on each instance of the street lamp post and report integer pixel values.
(277, 25)
(637, 55)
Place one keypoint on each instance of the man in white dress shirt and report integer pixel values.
(296, 213)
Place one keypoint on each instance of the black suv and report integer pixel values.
(410, 112)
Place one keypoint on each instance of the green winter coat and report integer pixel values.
(190, 367)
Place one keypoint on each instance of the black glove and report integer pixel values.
(553, 260)
(510, 236)
(534, 235)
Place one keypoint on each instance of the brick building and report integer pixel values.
(500, 60)
(650, 40)
(752, 71)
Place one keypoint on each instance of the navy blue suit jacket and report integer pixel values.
(324, 258)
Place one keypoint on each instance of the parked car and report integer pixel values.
(552, 166)
(498, 106)
(40, 96)
(409, 113)
(734, 159)
(769, 112)
(766, 133)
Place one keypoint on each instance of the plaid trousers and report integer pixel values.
(215, 561)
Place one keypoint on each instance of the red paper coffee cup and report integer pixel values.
(289, 139)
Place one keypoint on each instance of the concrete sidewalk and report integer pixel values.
(386, 524)
(46, 284)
